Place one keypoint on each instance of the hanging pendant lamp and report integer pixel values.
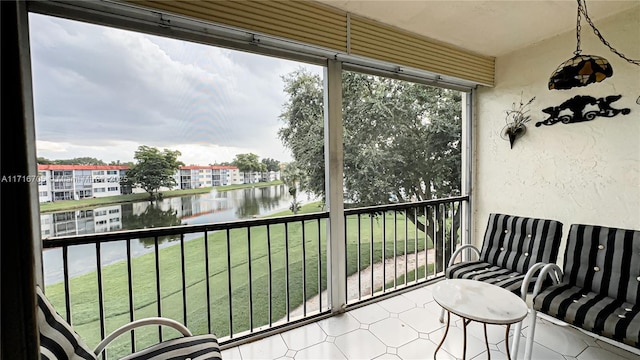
(580, 70)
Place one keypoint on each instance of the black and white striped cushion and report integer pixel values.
(200, 347)
(604, 260)
(482, 271)
(57, 338)
(600, 314)
(517, 243)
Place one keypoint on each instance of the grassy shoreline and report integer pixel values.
(120, 199)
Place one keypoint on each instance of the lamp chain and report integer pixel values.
(598, 34)
(578, 29)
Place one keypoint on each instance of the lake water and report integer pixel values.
(205, 208)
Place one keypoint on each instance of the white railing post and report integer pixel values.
(333, 160)
(467, 171)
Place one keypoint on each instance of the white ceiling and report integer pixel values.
(487, 27)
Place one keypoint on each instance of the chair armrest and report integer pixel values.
(138, 323)
(545, 269)
(459, 250)
(524, 288)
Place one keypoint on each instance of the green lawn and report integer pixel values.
(84, 299)
(411, 277)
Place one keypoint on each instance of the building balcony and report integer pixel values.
(576, 173)
(246, 279)
(263, 287)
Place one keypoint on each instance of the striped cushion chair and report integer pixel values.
(511, 246)
(57, 338)
(600, 287)
(59, 341)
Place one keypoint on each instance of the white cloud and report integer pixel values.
(207, 154)
(117, 150)
(53, 147)
(192, 154)
(102, 92)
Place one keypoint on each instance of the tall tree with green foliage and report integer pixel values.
(153, 169)
(249, 163)
(271, 164)
(303, 129)
(402, 140)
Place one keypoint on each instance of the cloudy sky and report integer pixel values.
(102, 92)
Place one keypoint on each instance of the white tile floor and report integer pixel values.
(407, 327)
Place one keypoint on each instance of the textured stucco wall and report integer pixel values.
(585, 172)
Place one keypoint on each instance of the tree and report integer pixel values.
(271, 164)
(118, 162)
(248, 163)
(303, 130)
(85, 160)
(401, 140)
(45, 161)
(153, 169)
(223, 163)
(293, 177)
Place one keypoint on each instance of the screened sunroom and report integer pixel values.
(409, 123)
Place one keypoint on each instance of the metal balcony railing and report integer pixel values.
(394, 246)
(240, 278)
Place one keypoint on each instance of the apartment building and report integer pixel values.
(75, 182)
(270, 176)
(197, 176)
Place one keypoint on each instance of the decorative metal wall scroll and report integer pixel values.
(582, 108)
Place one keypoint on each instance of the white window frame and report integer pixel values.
(127, 16)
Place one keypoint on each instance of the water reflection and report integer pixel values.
(193, 209)
(257, 201)
(152, 216)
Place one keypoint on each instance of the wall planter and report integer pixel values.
(516, 119)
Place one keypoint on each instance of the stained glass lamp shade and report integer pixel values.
(580, 70)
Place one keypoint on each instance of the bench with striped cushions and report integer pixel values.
(197, 347)
(511, 245)
(600, 287)
(57, 338)
(58, 341)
